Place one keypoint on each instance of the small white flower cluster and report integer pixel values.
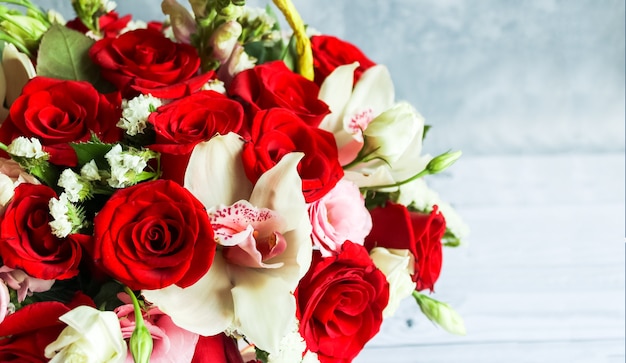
(135, 113)
(291, 348)
(126, 165)
(26, 148)
(215, 85)
(59, 210)
(68, 180)
(66, 216)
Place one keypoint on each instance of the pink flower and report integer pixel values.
(23, 283)
(338, 216)
(171, 343)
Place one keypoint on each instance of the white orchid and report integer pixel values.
(352, 106)
(251, 299)
(379, 140)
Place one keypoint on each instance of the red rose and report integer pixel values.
(58, 112)
(25, 334)
(153, 235)
(276, 132)
(331, 52)
(110, 24)
(145, 61)
(394, 226)
(182, 124)
(271, 85)
(26, 239)
(340, 303)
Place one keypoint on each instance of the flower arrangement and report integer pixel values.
(206, 189)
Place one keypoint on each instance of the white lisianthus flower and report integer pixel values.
(27, 148)
(91, 336)
(390, 134)
(397, 265)
(135, 113)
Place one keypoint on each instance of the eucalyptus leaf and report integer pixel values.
(64, 54)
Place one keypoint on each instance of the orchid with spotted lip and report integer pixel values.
(353, 108)
(253, 300)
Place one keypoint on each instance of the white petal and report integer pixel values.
(335, 92)
(280, 189)
(215, 173)
(204, 308)
(264, 307)
(374, 91)
(375, 177)
(18, 70)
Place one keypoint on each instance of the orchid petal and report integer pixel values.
(264, 307)
(204, 308)
(279, 189)
(336, 92)
(374, 91)
(215, 173)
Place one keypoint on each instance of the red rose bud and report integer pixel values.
(276, 132)
(152, 235)
(340, 303)
(394, 226)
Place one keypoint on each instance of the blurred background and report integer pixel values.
(533, 93)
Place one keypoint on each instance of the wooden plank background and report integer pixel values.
(541, 278)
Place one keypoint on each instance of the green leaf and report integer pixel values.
(426, 129)
(64, 54)
(87, 151)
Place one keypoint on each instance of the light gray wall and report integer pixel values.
(491, 76)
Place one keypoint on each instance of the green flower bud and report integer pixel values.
(140, 342)
(442, 162)
(440, 313)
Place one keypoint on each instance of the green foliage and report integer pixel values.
(92, 150)
(64, 54)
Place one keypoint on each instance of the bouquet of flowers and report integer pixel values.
(206, 189)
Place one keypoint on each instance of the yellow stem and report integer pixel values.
(303, 44)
